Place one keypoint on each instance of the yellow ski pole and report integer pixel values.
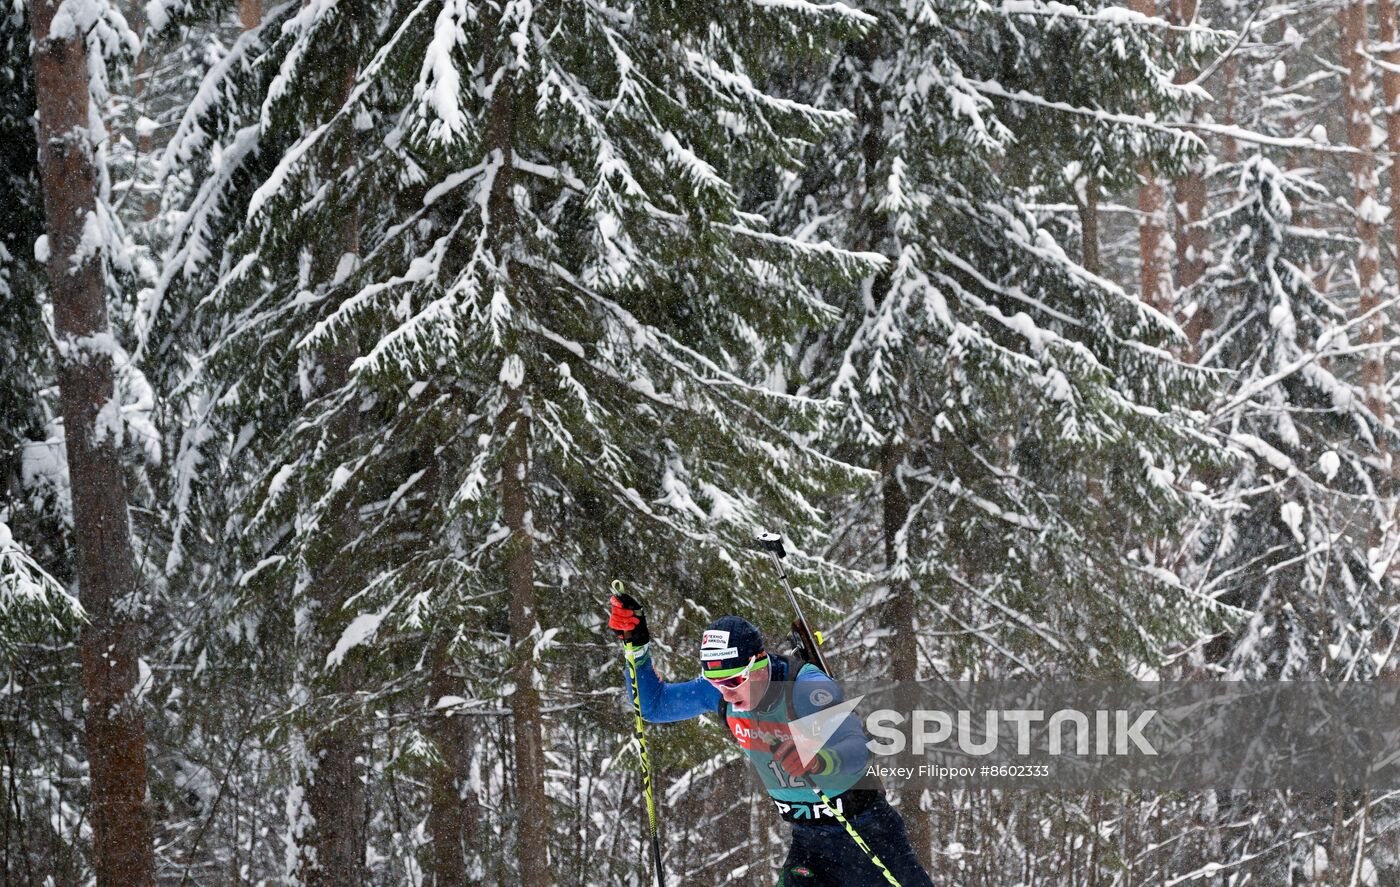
(642, 746)
(855, 836)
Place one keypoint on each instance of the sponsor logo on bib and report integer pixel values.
(793, 811)
(757, 735)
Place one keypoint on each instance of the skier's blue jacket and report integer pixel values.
(761, 730)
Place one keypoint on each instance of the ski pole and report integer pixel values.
(646, 761)
(773, 544)
(855, 836)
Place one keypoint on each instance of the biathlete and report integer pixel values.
(757, 694)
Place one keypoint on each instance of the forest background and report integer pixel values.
(351, 349)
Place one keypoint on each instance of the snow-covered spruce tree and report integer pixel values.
(1298, 543)
(1026, 417)
(259, 98)
(1024, 413)
(485, 323)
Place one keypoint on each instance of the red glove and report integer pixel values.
(787, 757)
(629, 620)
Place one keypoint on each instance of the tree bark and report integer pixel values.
(1357, 107)
(446, 783)
(1190, 205)
(249, 13)
(336, 791)
(140, 80)
(533, 825)
(1230, 73)
(1155, 277)
(1389, 53)
(106, 568)
(533, 803)
(895, 511)
(335, 797)
(904, 648)
(1191, 251)
(1089, 226)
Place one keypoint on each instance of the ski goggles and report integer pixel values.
(729, 678)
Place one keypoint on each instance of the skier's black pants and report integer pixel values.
(826, 856)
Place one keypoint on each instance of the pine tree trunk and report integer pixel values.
(1319, 274)
(1230, 73)
(1190, 238)
(335, 793)
(1155, 278)
(904, 647)
(446, 813)
(895, 511)
(452, 807)
(335, 797)
(1357, 107)
(335, 790)
(1389, 54)
(1190, 205)
(106, 568)
(1089, 257)
(533, 822)
(533, 825)
(1191, 250)
(249, 13)
(1089, 226)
